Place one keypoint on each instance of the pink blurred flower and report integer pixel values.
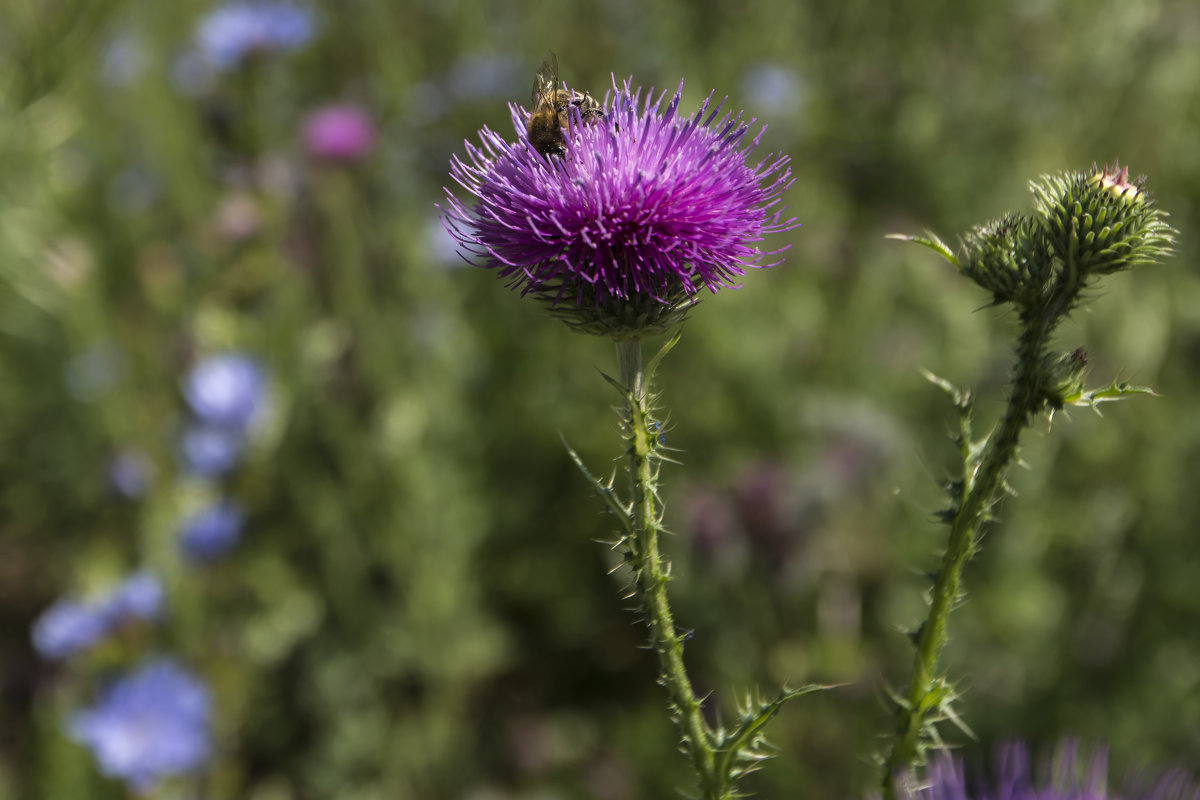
(339, 133)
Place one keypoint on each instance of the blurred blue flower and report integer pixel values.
(72, 625)
(209, 450)
(211, 532)
(484, 75)
(138, 597)
(68, 627)
(774, 89)
(148, 725)
(225, 390)
(235, 31)
(1070, 777)
(130, 473)
(124, 60)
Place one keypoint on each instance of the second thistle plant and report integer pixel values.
(1085, 226)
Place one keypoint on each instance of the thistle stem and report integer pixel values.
(652, 573)
(980, 490)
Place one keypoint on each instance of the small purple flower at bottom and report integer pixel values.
(339, 133)
(646, 208)
(148, 725)
(212, 532)
(1069, 777)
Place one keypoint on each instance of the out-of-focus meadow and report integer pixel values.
(418, 606)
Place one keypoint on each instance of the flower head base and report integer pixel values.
(646, 208)
(148, 725)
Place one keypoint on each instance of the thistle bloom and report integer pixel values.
(235, 31)
(1070, 777)
(646, 208)
(148, 725)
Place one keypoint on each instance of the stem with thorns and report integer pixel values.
(981, 484)
(652, 573)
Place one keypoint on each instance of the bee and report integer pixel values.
(552, 107)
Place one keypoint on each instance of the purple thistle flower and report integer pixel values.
(234, 31)
(1070, 777)
(148, 725)
(646, 208)
(211, 532)
(225, 390)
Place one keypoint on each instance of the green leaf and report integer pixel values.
(605, 490)
(929, 240)
(1092, 398)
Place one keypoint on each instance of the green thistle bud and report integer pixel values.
(1062, 377)
(1008, 257)
(1102, 222)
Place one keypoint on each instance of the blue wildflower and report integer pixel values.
(210, 450)
(73, 625)
(235, 31)
(225, 390)
(148, 725)
(138, 597)
(211, 532)
(130, 473)
(68, 627)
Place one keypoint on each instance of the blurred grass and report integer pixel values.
(420, 608)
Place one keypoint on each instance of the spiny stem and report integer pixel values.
(652, 575)
(980, 490)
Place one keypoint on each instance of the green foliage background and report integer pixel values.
(420, 608)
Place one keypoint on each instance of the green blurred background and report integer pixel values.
(420, 608)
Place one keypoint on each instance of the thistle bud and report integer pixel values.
(1103, 222)
(1009, 258)
(1063, 375)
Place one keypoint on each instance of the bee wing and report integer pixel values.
(545, 81)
